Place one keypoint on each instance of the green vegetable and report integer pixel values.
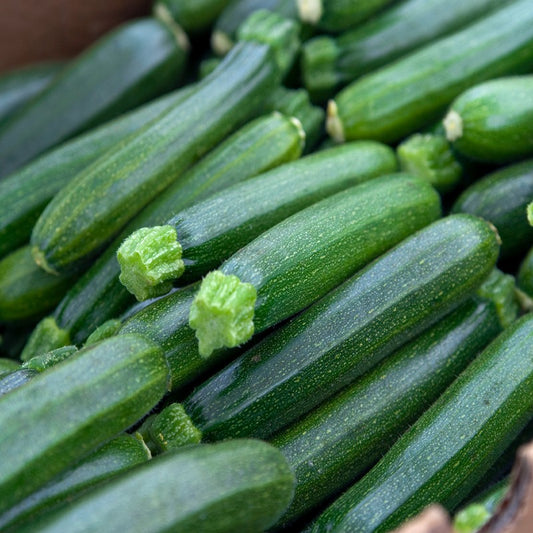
(525, 274)
(8, 365)
(191, 15)
(40, 363)
(13, 380)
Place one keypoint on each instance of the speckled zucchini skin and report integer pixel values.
(403, 97)
(240, 485)
(13, 380)
(342, 438)
(134, 63)
(442, 456)
(502, 198)
(80, 407)
(347, 332)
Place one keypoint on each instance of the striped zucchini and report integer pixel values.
(448, 449)
(36, 443)
(240, 485)
(134, 63)
(343, 437)
(300, 259)
(410, 93)
(347, 332)
(493, 122)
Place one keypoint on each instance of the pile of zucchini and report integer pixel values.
(267, 265)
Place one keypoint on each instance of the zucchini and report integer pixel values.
(41, 362)
(26, 193)
(502, 198)
(329, 63)
(118, 455)
(8, 365)
(338, 15)
(212, 230)
(14, 380)
(36, 444)
(192, 16)
(493, 122)
(442, 456)
(98, 296)
(343, 437)
(27, 292)
(240, 485)
(132, 64)
(430, 157)
(19, 86)
(347, 332)
(300, 259)
(524, 278)
(414, 91)
(101, 200)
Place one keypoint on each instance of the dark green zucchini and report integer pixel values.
(329, 63)
(134, 63)
(296, 262)
(212, 230)
(343, 437)
(118, 455)
(37, 442)
(26, 291)
(100, 201)
(26, 192)
(502, 198)
(524, 278)
(347, 332)
(18, 87)
(414, 91)
(240, 485)
(442, 456)
(493, 122)
(192, 15)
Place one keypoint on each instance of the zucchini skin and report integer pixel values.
(19, 86)
(452, 444)
(524, 278)
(331, 62)
(83, 390)
(26, 291)
(496, 120)
(260, 145)
(240, 485)
(13, 380)
(26, 193)
(343, 437)
(114, 457)
(347, 332)
(134, 63)
(502, 198)
(192, 15)
(403, 97)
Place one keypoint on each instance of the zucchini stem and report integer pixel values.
(333, 123)
(453, 125)
(162, 13)
(222, 312)
(310, 11)
(221, 43)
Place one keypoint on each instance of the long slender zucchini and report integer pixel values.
(212, 230)
(134, 63)
(26, 193)
(412, 92)
(493, 122)
(448, 449)
(300, 259)
(19, 86)
(329, 63)
(502, 198)
(347, 332)
(99, 296)
(343, 437)
(95, 206)
(240, 485)
(118, 455)
(79, 407)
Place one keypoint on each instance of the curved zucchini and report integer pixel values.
(240, 485)
(134, 63)
(343, 437)
(36, 443)
(300, 259)
(347, 332)
(442, 456)
(118, 455)
(502, 198)
(410, 93)
(493, 122)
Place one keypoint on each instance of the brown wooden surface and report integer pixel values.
(39, 30)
